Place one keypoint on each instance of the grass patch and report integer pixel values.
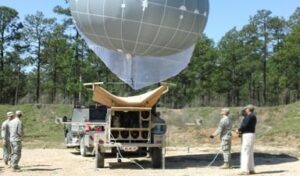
(39, 127)
(273, 122)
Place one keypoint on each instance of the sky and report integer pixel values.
(223, 16)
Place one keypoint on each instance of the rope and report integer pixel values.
(214, 160)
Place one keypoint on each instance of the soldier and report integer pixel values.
(5, 136)
(224, 130)
(16, 134)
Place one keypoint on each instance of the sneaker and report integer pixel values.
(225, 166)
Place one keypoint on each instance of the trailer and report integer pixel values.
(120, 126)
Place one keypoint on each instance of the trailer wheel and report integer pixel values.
(156, 156)
(99, 159)
(83, 149)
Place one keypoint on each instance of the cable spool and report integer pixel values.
(115, 134)
(145, 134)
(124, 134)
(145, 115)
(134, 134)
(145, 124)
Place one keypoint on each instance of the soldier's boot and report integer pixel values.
(16, 168)
(226, 165)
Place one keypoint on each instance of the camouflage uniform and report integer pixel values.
(5, 136)
(16, 133)
(224, 130)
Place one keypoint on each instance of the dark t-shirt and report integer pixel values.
(248, 124)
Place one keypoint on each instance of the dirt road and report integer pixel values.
(270, 161)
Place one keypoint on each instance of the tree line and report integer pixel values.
(44, 60)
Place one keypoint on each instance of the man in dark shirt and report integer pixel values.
(247, 129)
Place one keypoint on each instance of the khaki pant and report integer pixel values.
(16, 153)
(226, 149)
(247, 152)
(6, 151)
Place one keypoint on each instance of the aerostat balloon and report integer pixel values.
(141, 41)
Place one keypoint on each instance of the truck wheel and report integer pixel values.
(99, 159)
(83, 148)
(156, 156)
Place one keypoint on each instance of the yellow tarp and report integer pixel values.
(148, 99)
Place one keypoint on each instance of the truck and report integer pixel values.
(81, 126)
(118, 126)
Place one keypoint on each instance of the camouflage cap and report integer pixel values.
(10, 114)
(19, 112)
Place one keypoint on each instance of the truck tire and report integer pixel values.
(99, 159)
(156, 156)
(83, 149)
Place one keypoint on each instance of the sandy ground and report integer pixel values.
(270, 161)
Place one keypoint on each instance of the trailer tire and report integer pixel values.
(99, 159)
(156, 156)
(83, 149)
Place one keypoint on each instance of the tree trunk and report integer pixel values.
(228, 99)
(76, 68)
(265, 81)
(53, 95)
(298, 90)
(1, 66)
(258, 95)
(17, 86)
(38, 80)
(2, 51)
(265, 55)
(237, 96)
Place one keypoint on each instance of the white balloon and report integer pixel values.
(142, 41)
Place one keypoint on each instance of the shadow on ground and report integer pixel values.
(39, 168)
(202, 160)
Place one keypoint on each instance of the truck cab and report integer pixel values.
(79, 125)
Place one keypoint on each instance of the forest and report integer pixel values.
(44, 60)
